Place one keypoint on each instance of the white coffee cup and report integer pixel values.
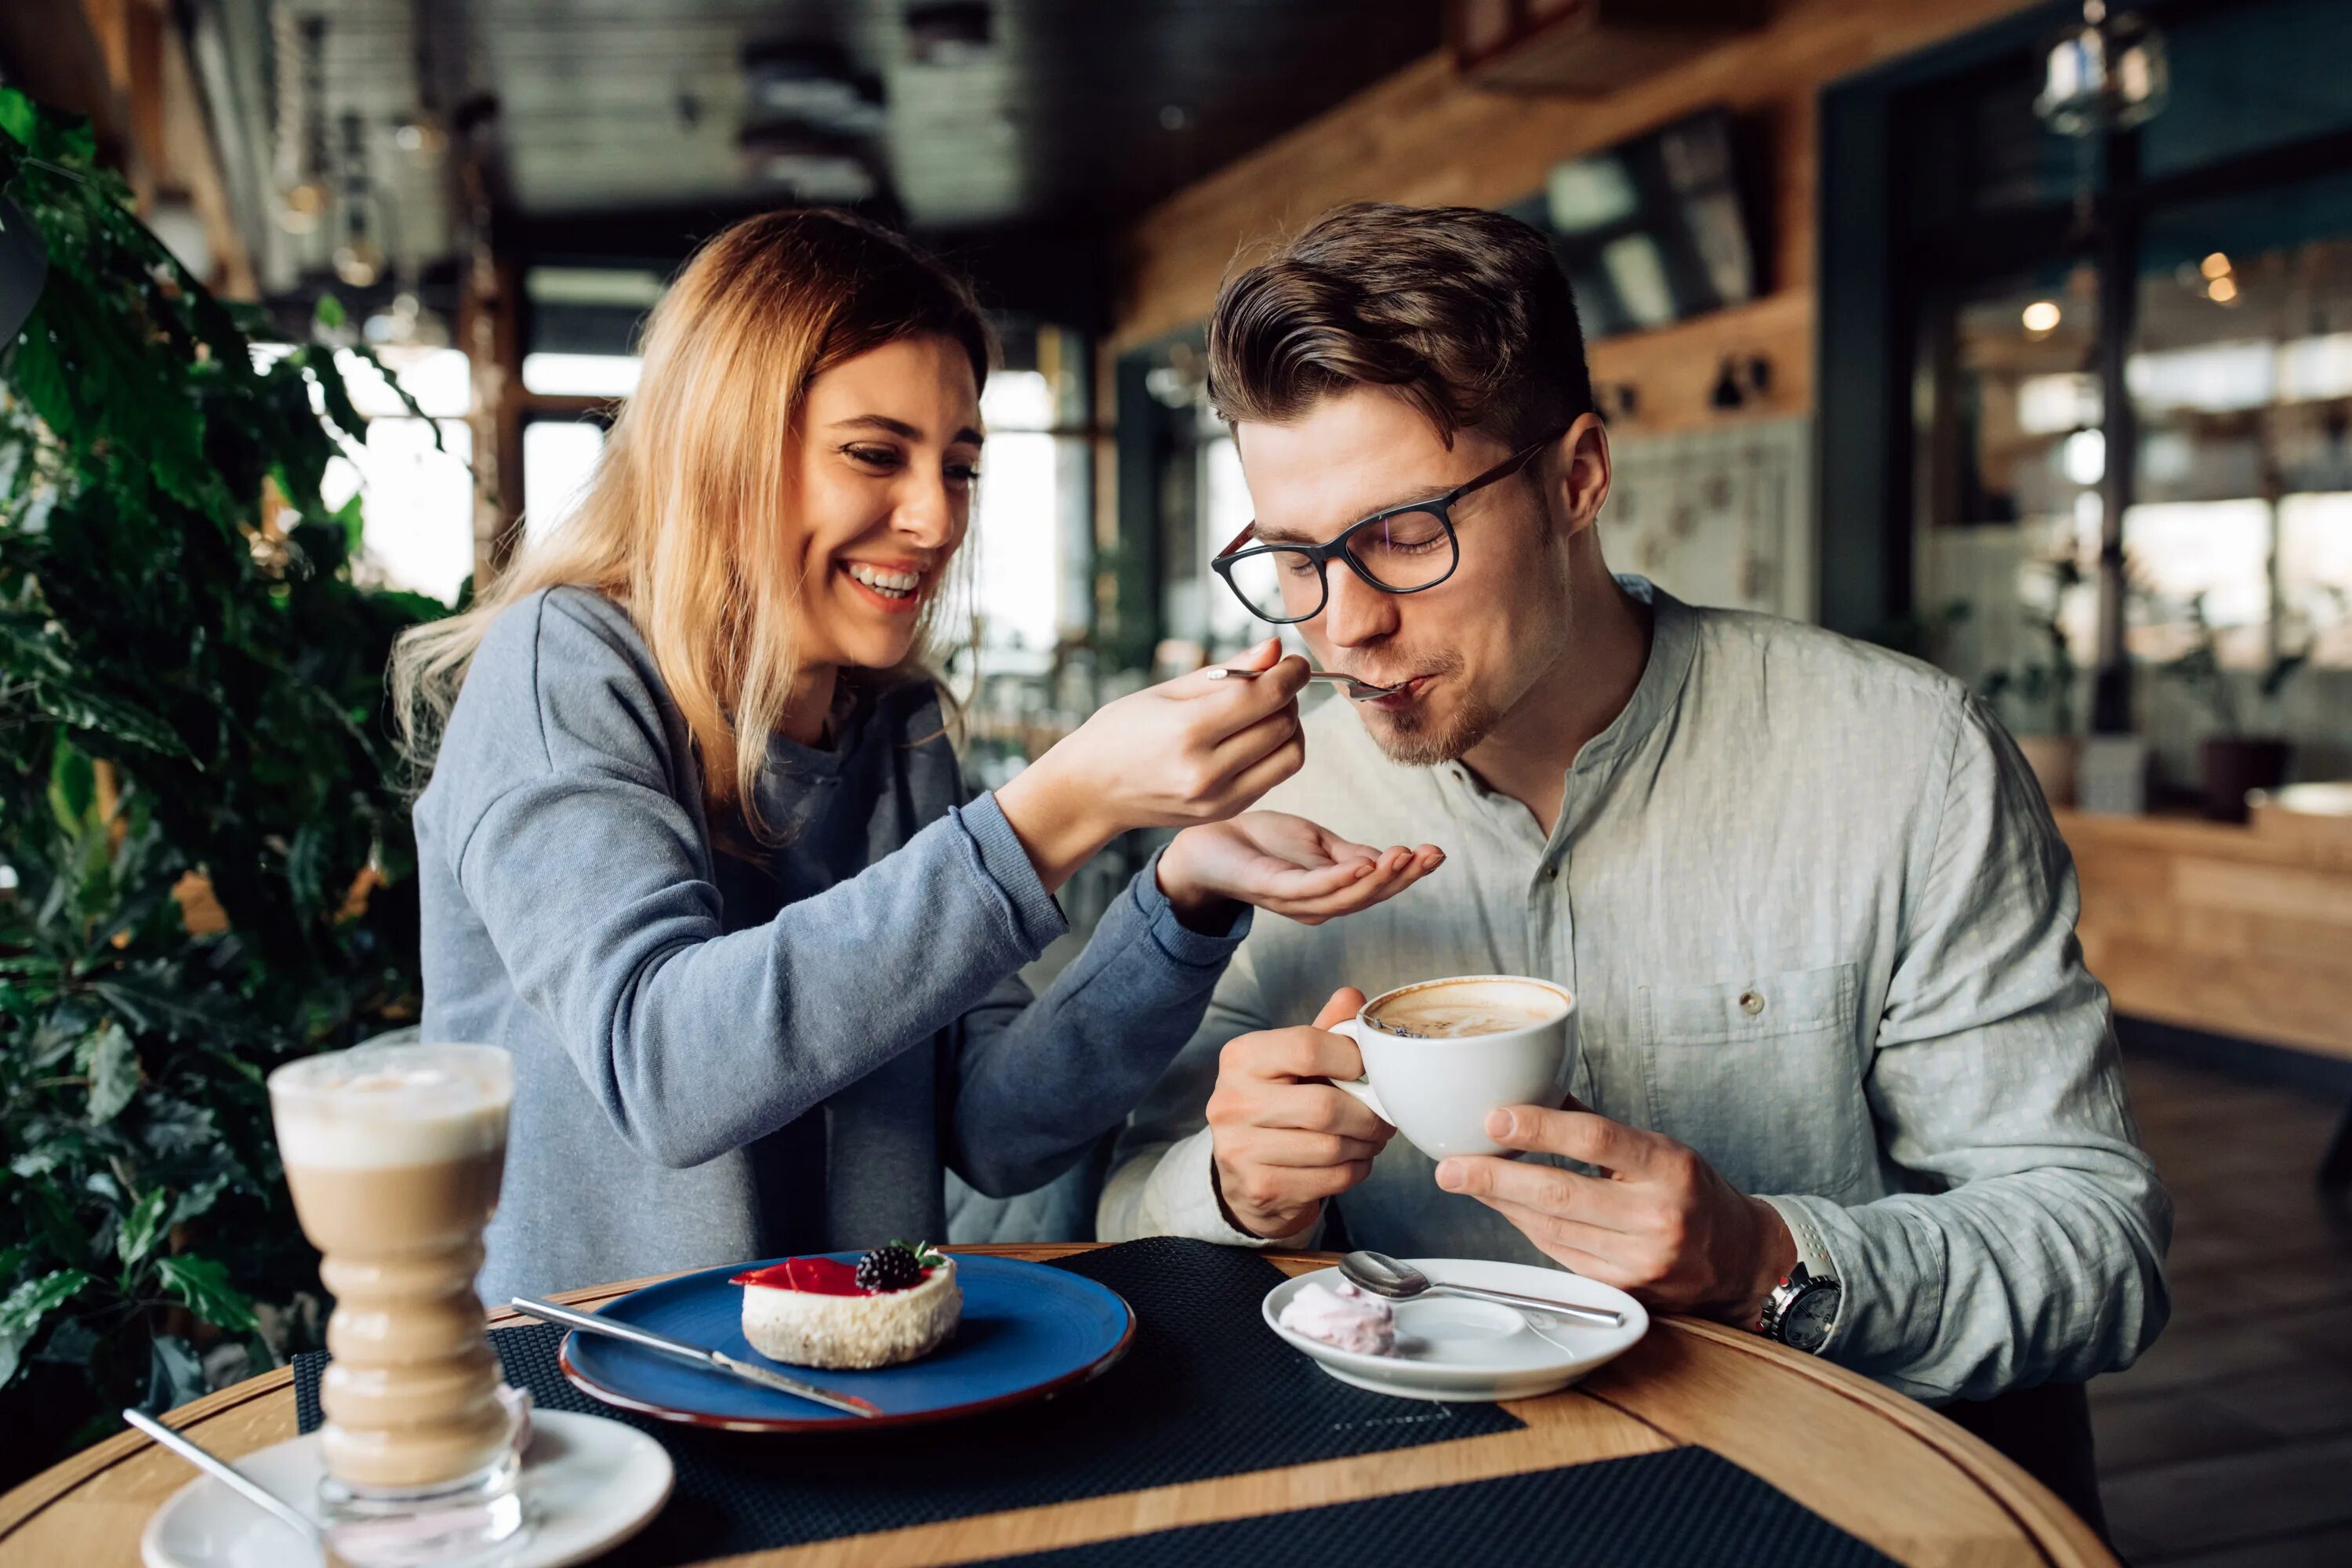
(1437, 1090)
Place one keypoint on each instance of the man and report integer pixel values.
(1836, 1031)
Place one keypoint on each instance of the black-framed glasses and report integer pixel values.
(1404, 550)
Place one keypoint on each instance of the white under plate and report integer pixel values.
(1454, 1349)
(588, 1484)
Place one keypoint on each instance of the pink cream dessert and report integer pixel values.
(1341, 1315)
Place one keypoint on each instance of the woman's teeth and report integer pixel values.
(890, 585)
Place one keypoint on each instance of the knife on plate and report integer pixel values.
(591, 1324)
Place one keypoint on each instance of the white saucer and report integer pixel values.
(1449, 1348)
(588, 1484)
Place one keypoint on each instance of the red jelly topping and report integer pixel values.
(811, 1276)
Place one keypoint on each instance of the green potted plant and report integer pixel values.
(2236, 758)
(204, 853)
(2036, 698)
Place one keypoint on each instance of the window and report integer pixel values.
(1226, 511)
(416, 498)
(557, 456)
(580, 375)
(1016, 523)
(2233, 462)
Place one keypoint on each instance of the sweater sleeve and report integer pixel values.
(1038, 1082)
(577, 839)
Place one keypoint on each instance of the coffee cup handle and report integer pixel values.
(1361, 1089)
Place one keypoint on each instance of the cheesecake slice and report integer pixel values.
(820, 1311)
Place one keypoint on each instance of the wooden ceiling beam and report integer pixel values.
(197, 163)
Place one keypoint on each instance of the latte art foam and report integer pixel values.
(1455, 1010)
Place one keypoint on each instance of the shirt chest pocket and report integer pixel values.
(1761, 1076)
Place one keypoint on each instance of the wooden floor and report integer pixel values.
(2231, 1442)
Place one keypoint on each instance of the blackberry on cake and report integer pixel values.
(891, 1267)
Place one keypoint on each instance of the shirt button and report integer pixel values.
(1751, 1002)
(1551, 872)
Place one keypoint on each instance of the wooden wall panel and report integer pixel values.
(1423, 136)
(2235, 931)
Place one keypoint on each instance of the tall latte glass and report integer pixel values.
(394, 1154)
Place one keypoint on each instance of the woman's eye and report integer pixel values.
(963, 473)
(872, 457)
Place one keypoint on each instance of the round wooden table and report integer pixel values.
(1877, 1465)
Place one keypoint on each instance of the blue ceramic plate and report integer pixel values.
(1027, 1331)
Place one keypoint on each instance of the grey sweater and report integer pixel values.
(719, 1057)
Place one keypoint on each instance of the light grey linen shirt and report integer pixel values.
(1929, 1091)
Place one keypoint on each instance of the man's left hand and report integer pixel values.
(1659, 1222)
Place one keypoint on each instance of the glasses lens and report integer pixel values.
(1409, 550)
(1278, 584)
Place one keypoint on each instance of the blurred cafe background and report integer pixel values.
(2018, 337)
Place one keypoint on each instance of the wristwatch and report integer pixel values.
(1801, 1309)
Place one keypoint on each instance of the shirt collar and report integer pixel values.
(1672, 641)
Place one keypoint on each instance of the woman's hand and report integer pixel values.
(1286, 864)
(1192, 750)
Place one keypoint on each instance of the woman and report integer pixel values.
(692, 849)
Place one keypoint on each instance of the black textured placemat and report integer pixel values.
(1206, 1390)
(1675, 1510)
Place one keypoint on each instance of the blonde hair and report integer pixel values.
(678, 524)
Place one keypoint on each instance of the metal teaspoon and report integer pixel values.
(1360, 691)
(1400, 1282)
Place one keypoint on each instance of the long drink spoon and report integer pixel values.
(1362, 690)
(236, 1480)
(1400, 1282)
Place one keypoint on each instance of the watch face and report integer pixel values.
(1806, 1324)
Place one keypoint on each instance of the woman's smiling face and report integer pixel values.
(889, 453)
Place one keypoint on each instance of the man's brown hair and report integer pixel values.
(1462, 312)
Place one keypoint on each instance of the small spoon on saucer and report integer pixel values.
(1360, 691)
(237, 1481)
(1400, 1282)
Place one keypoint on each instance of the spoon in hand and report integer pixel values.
(1400, 1282)
(1362, 690)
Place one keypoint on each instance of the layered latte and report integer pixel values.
(394, 1154)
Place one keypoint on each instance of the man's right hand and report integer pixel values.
(1284, 1139)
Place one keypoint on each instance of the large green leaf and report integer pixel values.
(175, 1375)
(135, 1239)
(24, 1308)
(111, 1064)
(203, 1285)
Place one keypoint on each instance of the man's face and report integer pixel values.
(1465, 651)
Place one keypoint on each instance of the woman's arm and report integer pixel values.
(1035, 1083)
(591, 875)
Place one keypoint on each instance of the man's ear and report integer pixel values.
(1581, 470)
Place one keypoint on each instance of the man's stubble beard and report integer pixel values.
(1412, 740)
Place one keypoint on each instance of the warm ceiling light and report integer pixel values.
(2222, 290)
(2215, 266)
(2042, 316)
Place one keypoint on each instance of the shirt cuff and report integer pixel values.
(1192, 948)
(1814, 1250)
(1187, 1190)
(1037, 917)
